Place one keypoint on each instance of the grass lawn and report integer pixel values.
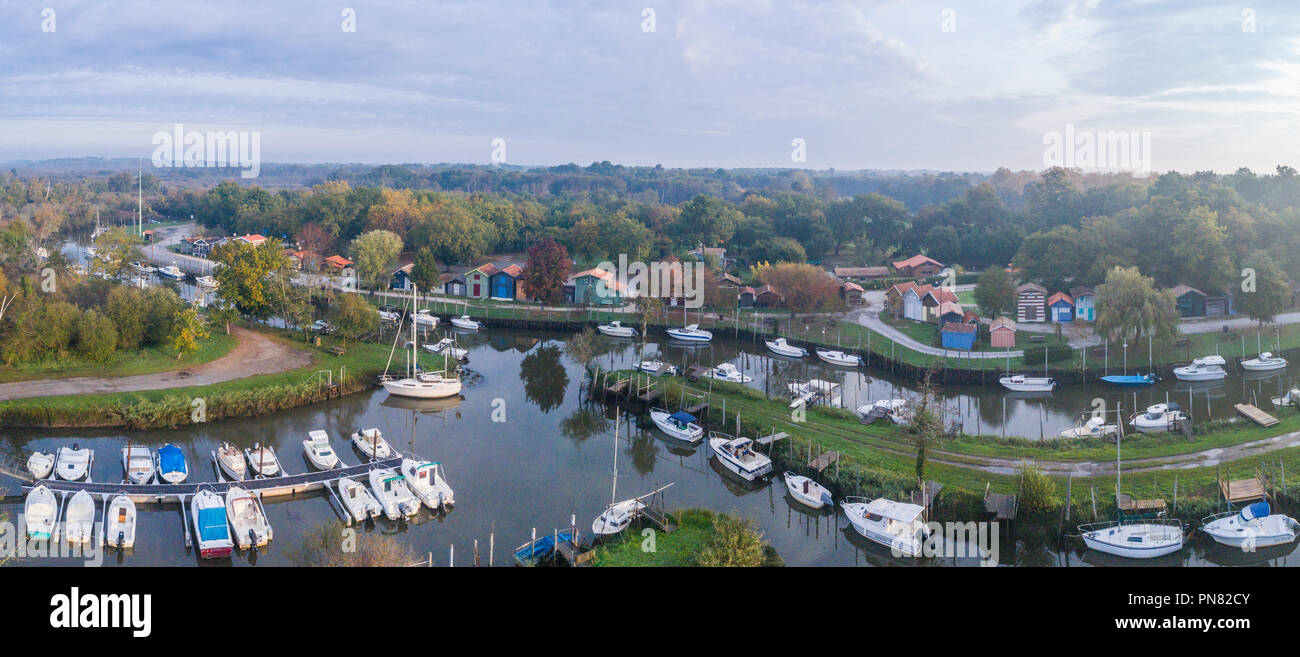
(144, 361)
(678, 548)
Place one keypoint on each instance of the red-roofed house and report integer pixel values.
(918, 266)
(505, 282)
(252, 239)
(1060, 307)
(596, 286)
(479, 281)
(852, 293)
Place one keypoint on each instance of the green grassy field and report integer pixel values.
(144, 361)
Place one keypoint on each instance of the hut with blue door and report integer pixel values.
(1083, 303)
(958, 335)
(503, 282)
(1060, 307)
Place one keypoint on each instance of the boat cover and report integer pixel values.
(683, 417)
(171, 459)
(212, 524)
(1254, 511)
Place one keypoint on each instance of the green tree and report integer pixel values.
(244, 276)
(995, 292)
(1269, 295)
(186, 331)
(354, 318)
(424, 271)
(96, 337)
(1129, 306)
(374, 253)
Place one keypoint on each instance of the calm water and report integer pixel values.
(552, 457)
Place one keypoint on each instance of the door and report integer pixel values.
(476, 288)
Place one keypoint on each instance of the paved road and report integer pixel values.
(870, 318)
(255, 354)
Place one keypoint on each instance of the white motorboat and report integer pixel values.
(207, 281)
(1209, 368)
(211, 528)
(371, 443)
(616, 517)
(1251, 528)
(231, 460)
(895, 525)
(395, 497)
(73, 463)
(680, 425)
(1022, 383)
(171, 271)
(447, 347)
(425, 479)
(806, 491)
(1158, 417)
(894, 409)
(817, 391)
(172, 468)
(39, 512)
(839, 358)
(251, 530)
(728, 372)
(464, 322)
(738, 456)
(690, 333)
(1094, 427)
(653, 367)
(781, 347)
(262, 460)
(388, 314)
(1291, 398)
(119, 532)
(359, 502)
(141, 268)
(40, 464)
(615, 329)
(322, 327)
(425, 318)
(1263, 363)
(137, 463)
(79, 519)
(1144, 539)
(318, 450)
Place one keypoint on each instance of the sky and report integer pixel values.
(889, 84)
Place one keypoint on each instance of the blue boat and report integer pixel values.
(1131, 380)
(171, 464)
(531, 552)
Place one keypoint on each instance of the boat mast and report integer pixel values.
(613, 493)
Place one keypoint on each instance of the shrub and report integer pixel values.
(1055, 352)
(735, 542)
(1037, 490)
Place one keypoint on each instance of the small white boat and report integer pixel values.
(119, 532)
(262, 460)
(425, 318)
(616, 517)
(728, 372)
(1022, 383)
(839, 358)
(465, 323)
(894, 409)
(142, 268)
(807, 491)
(690, 333)
(172, 468)
(895, 525)
(446, 347)
(388, 314)
(359, 502)
(1264, 363)
(79, 519)
(39, 512)
(680, 425)
(425, 479)
(207, 281)
(1146, 539)
(371, 443)
(251, 530)
(1209, 368)
(231, 460)
(781, 347)
(1291, 398)
(1094, 427)
(211, 528)
(137, 463)
(738, 456)
(394, 496)
(171, 271)
(653, 367)
(1250, 528)
(616, 329)
(1158, 417)
(318, 450)
(40, 464)
(73, 463)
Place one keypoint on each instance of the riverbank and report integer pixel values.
(325, 375)
(696, 533)
(144, 361)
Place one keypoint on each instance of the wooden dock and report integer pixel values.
(824, 460)
(1259, 417)
(771, 439)
(1242, 490)
(927, 493)
(1130, 505)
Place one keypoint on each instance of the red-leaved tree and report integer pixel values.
(548, 268)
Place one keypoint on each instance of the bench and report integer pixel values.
(338, 351)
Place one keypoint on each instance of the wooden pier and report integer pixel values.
(824, 460)
(1250, 411)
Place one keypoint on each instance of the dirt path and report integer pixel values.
(255, 354)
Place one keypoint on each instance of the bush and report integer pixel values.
(96, 337)
(1055, 352)
(1037, 490)
(735, 542)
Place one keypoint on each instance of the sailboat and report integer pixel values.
(417, 384)
(618, 515)
(1146, 538)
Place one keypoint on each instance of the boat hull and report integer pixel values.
(422, 390)
(1115, 540)
(617, 331)
(1268, 366)
(688, 336)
